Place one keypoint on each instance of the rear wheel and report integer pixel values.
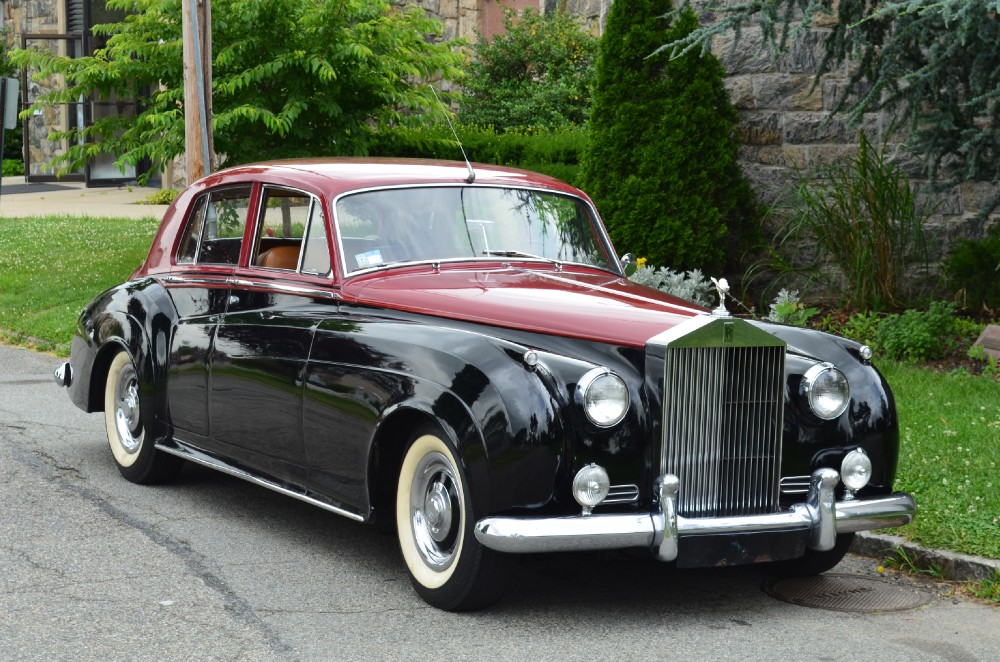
(449, 568)
(136, 457)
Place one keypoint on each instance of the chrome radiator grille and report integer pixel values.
(723, 410)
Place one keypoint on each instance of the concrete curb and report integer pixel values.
(958, 567)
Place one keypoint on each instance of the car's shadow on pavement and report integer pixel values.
(590, 582)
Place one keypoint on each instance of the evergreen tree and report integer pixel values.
(661, 162)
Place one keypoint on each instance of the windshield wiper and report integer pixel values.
(520, 254)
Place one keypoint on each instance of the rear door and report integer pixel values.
(206, 258)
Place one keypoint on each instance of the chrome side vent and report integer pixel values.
(791, 485)
(621, 494)
(723, 410)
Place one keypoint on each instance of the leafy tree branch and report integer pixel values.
(290, 78)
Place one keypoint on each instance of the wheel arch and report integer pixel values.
(394, 433)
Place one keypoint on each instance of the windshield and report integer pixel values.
(461, 223)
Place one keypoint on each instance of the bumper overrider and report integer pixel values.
(819, 519)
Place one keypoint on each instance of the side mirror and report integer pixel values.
(629, 264)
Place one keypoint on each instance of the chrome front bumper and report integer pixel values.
(821, 518)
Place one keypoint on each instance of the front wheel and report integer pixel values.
(814, 562)
(134, 453)
(449, 568)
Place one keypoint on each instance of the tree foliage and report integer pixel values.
(935, 65)
(661, 163)
(290, 78)
(536, 73)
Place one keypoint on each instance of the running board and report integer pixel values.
(200, 457)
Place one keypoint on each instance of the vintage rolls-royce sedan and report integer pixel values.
(456, 350)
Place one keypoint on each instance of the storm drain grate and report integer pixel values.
(846, 593)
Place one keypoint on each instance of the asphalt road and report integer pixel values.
(95, 568)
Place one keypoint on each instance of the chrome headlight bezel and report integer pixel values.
(604, 397)
(826, 391)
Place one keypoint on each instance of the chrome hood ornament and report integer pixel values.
(722, 287)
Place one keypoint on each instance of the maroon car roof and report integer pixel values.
(340, 174)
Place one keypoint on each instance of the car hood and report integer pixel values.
(586, 304)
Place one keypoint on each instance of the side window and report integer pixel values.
(188, 251)
(214, 234)
(283, 219)
(316, 258)
(225, 223)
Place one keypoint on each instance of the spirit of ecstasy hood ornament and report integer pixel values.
(722, 287)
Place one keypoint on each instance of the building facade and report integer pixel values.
(63, 26)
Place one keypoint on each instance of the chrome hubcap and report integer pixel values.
(128, 419)
(436, 511)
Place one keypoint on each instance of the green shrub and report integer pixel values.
(13, 167)
(661, 163)
(788, 309)
(691, 285)
(862, 328)
(163, 196)
(918, 335)
(536, 73)
(555, 152)
(973, 269)
(863, 219)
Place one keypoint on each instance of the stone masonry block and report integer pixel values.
(813, 128)
(818, 156)
(805, 96)
(760, 128)
(740, 89)
(785, 156)
(806, 54)
(772, 91)
(743, 56)
(977, 195)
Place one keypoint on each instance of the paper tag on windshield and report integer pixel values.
(369, 259)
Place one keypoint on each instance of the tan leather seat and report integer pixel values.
(280, 257)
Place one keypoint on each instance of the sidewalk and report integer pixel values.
(19, 199)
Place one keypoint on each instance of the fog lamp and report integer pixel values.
(590, 486)
(603, 396)
(856, 470)
(826, 390)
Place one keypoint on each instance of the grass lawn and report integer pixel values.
(50, 268)
(949, 457)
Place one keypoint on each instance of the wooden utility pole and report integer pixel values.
(197, 27)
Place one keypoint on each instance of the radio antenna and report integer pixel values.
(472, 173)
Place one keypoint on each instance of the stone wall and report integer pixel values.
(460, 17)
(788, 129)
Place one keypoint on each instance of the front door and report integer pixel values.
(263, 341)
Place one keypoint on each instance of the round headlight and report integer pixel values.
(856, 470)
(591, 485)
(827, 391)
(603, 396)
